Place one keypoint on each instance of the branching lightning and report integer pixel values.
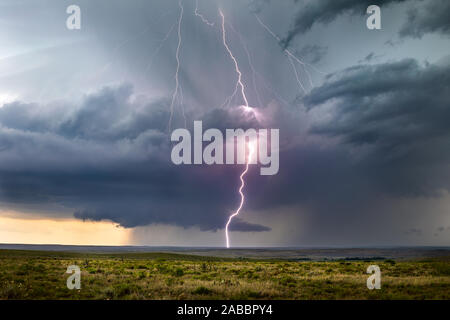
(177, 95)
(236, 65)
(252, 67)
(198, 14)
(292, 57)
(299, 82)
(255, 73)
(239, 84)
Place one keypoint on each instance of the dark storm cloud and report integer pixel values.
(102, 116)
(243, 226)
(399, 113)
(370, 57)
(431, 17)
(391, 125)
(414, 232)
(109, 115)
(324, 180)
(313, 53)
(325, 11)
(376, 103)
(442, 229)
(109, 158)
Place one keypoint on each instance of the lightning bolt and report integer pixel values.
(177, 89)
(256, 74)
(198, 14)
(292, 58)
(252, 67)
(236, 65)
(297, 77)
(239, 84)
(241, 188)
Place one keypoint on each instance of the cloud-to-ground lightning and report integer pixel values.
(177, 90)
(239, 84)
(251, 148)
(198, 14)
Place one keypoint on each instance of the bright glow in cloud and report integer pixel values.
(7, 98)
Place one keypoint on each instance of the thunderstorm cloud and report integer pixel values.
(364, 127)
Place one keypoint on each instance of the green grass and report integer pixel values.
(41, 275)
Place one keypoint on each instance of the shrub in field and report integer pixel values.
(288, 281)
(202, 290)
(178, 272)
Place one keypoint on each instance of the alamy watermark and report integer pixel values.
(252, 147)
(74, 280)
(73, 21)
(374, 281)
(374, 20)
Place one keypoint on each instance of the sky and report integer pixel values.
(364, 120)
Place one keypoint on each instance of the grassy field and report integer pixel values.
(41, 275)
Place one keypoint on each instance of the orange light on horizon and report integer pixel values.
(60, 231)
